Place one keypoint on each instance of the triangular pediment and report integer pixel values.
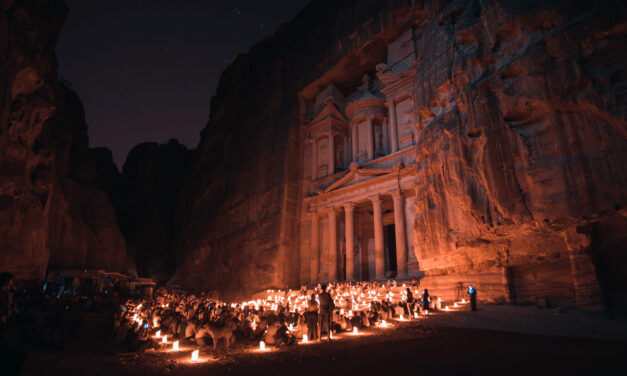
(357, 175)
(330, 110)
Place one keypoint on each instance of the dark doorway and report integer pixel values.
(390, 253)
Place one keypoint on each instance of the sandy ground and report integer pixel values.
(495, 340)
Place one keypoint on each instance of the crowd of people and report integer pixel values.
(52, 313)
(280, 318)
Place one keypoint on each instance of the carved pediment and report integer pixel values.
(393, 80)
(329, 114)
(356, 175)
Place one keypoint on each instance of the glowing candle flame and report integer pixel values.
(262, 345)
(164, 339)
(158, 335)
(291, 327)
(175, 346)
(195, 356)
(455, 305)
(415, 315)
(305, 339)
(447, 308)
(330, 334)
(402, 318)
(463, 300)
(355, 331)
(384, 324)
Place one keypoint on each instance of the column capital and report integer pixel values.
(376, 199)
(332, 209)
(390, 102)
(397, 194)
(349, 206)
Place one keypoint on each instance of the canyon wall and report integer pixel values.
(522, 166)
(51, 213)
(520, 113)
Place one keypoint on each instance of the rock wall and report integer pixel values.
(51, 213)
(523, 151)
(521, 185)
(146, 205)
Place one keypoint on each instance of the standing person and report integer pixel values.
(425, 300)
(473, 298)
(326, 308)
(312, 318)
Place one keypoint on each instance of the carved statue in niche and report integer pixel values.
(339, 154)
(378, 138)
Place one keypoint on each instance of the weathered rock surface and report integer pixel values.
(520, 108)
(51, 214)
(522, 166)
(146, 205)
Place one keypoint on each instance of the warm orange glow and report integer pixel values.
(262, 345)
(164, 339)
(175, 346)
(158, 335)
(305, 339)
(194, 356)
(355, 330)
(415, 315)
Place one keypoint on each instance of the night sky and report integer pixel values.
(146, 70)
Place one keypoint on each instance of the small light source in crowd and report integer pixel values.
(164, 339)
(195, 356)
(175, 346)
(158, 335)
(262, 345)
(355, 331)
(305, 339)
(384, 324)
(415, 315)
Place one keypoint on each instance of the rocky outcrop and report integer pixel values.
(521, 145)
(51, 213)
(146, 205)
(521, 171)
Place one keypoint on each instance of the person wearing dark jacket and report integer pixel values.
(425, 300)
(326, 309)
(472, 292)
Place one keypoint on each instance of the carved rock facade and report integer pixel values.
(502, 123)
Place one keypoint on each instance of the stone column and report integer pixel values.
(379, 253)
(401, 239)
(392, 124)
(331, 152)
(314, 159)
(315, 248)
(332, 245)
(355, 141)
(349, 209)
(370, 138)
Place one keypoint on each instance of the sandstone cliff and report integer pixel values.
(520, 108)
(51, 214)
(146, 205)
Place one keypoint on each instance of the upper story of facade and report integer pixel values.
(371, 126)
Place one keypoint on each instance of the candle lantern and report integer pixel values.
(195, 356)
(305, 339)
(175, 346)
(164, 339)
(262, 345)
